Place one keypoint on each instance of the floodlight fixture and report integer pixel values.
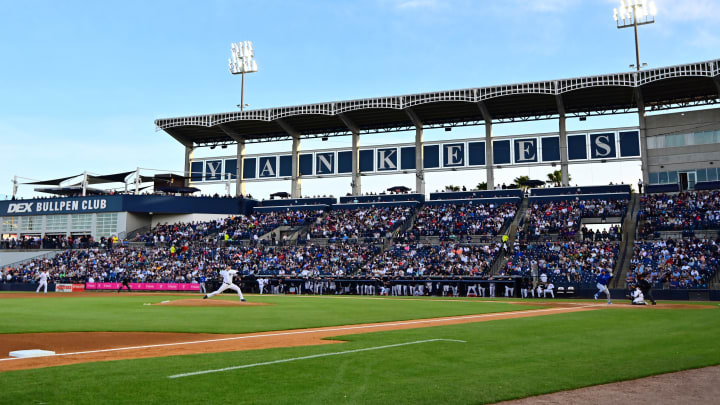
(242, 61)
(634, 13)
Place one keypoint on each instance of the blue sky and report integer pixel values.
(82, 82)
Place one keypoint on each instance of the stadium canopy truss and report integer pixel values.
(653, 89)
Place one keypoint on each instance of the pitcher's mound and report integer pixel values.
(199, 302)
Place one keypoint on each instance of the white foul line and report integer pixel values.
(312, 357)
(330, 329)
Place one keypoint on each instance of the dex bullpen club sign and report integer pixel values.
(59, 206)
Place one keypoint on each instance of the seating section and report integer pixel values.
(688, 212)
(564, 263)
(682, 263)
(182, 233)
(185, 252)
(564, 217)
(449, 221)
(434, 260)
(360, 223)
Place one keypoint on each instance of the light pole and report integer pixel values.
(632, 14)
(242, 62)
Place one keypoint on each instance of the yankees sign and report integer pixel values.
(437, 156)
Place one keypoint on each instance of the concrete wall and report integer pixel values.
(133, 222)
(14, 257)
(683, 157)
(174, 218)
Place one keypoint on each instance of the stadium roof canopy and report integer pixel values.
(662, 88)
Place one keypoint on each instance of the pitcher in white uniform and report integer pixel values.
(43, 281)
(227, 276)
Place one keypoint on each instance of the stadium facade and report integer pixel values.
(681, 86)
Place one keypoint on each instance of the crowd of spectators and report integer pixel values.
(240, 227)
(681, 263)
(188, 264)
(688, 211)
(452, 221)
(360, 223)
(180, 233)
(52, 242)
(563, 217)
(448, 259)
(149, 264)
(565, 262)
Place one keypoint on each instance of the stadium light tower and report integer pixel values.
(632, 14)
(241, 62)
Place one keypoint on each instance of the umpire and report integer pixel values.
(646, 288)
(125, 283)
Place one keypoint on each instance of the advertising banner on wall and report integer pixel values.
(145, 286)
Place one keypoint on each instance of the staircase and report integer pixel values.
(628, 242)
(502, 259)
(519, 216)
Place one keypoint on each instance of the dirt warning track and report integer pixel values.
(83, 347)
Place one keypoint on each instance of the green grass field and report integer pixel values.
(500, 360)
(124, 313)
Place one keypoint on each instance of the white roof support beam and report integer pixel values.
(296, 182)
(413, 117)
(489, 171)
(355, 183)
(562, 129)
(288, 128)
(232, 134)
(643, 134)
(349, 123)
(239, 179)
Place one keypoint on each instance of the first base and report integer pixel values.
(23, 354)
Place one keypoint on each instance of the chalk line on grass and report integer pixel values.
(313, 356)
(328, 329)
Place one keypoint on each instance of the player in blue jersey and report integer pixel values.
(602, 282)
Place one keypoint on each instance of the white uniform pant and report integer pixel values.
(549, 290)
(481, 290)
(224, 287)
(492, 290)
(472, 289)
(603, 289)
(43, 284)
(509, 291)
(523, 292)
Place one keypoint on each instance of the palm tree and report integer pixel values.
(556, 177)
(450, 187)
(520, 181)
(481, 186)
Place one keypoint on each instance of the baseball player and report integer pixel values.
(602, 281)
(43, 277)
(227, 275)
(637, 297)
(261, 284)
(203, 279)
(125, 283)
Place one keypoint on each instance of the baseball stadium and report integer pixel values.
(180, 286)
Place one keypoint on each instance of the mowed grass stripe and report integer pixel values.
(127, 313)
(502, 360)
